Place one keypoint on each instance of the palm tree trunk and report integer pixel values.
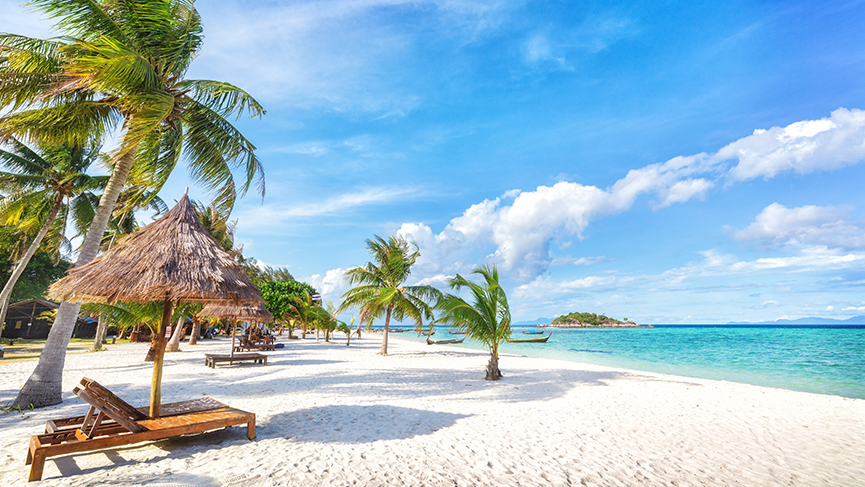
(493, 372)
(176, 335)
(196, 329)
(44, 386)
(23, 261)
(386, 328)
(101, 328)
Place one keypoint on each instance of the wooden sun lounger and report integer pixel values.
(211, 359)
(112, 422)
(249, 344)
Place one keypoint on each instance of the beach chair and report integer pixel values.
(112, 422)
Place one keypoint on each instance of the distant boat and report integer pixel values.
(396, 330)
(429, 334)
(457, 332)
(534, 332)
(443, 342)
(531, 340)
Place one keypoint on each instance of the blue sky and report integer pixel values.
(669, 162)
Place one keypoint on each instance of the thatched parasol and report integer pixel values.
(257, 314)
(172, 259)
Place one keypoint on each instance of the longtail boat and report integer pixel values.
(534, 332)
(443, 342)
(457, 332)
(531, 340)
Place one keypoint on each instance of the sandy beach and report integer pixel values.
(329, 414)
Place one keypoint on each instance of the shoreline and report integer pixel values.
(335, 415)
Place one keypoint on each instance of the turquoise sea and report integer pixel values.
(825, 359)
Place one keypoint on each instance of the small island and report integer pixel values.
(590, 320)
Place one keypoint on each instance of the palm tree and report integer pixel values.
(487, 319)
(382, 289)
(302, 310)
(38, 188)
(122, 64)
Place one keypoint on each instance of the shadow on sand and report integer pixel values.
(355, 424)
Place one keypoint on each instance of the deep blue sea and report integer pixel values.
(825, 359)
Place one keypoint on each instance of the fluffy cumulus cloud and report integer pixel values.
(801, 147)
(520, 233)
(331, 285)
(778, 225)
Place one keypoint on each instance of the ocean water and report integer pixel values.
(820, 359)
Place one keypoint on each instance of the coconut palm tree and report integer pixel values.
(38, 188)
(382, 290)
(302, 310)
(487, 319)
(121, 64)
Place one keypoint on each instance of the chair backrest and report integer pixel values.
(108, 403)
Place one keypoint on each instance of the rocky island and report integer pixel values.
(590, 320)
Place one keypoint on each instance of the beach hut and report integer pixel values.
(25, 319)
(171, 260)
(256, 314)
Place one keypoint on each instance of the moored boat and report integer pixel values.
(531, 340)
(443, 342)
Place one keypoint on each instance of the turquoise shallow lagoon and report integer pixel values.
(820, 359)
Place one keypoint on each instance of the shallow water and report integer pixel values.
(820, 359)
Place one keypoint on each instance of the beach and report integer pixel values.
(328, 414)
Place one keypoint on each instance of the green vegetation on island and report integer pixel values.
(582, 320)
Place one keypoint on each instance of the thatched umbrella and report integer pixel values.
(258, 314)
(172, 260)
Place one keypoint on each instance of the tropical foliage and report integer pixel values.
(39, 193)
(40, 272)
(381, 289)
(122, 64)
(487, 318)
(280, 300)
(590, 318)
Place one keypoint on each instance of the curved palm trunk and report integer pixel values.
(176, 336)
(386, 328)
(24, 260)
(45, 384)
(196, 330)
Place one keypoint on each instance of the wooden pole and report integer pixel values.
(156, 384)
(233, 329)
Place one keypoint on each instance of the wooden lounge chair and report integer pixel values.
(112, 422)
(248, 343)
(211, 359)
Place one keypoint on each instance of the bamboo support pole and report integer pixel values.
(156, 383)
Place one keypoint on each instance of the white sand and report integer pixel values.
(331, 415)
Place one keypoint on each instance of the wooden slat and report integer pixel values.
(109, 409)
(98, 390)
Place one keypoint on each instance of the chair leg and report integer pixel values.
(250, 429)
(38, 463)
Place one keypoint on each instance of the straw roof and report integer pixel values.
(259, 313)
(172, 258)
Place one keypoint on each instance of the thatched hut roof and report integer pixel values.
(258, 314)
(173, 258)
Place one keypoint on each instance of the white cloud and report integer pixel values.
(522, 231)
(331, 285)
(778, 225)
(274, 213)
(801, 147)
(684, 191)
(816, 258)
